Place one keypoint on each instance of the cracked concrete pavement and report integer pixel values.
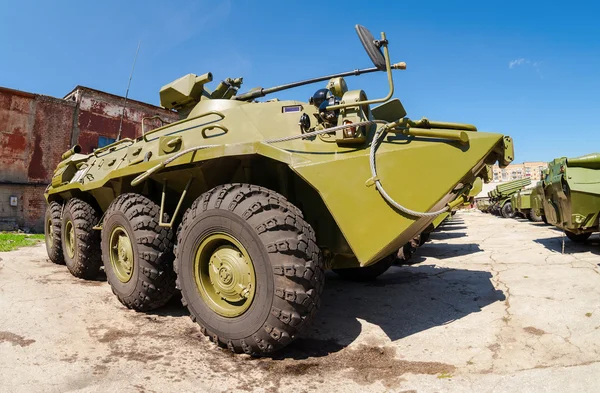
(492, 306)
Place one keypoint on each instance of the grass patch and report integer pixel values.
(11, 241)
(444, 376)
(588, 314)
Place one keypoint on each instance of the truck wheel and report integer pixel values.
(507, 210)
(138, 253)
(578, 238)
(52, 233)
(368, 273)
(424, 238)
(80, 242)
(533, 216)
(248, 267)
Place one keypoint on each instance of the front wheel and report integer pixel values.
(507, 210)
(248, 267)
(578, 238)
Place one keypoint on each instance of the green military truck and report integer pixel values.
(523, 205)
(500, 197)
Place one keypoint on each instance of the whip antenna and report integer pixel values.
(127, 92)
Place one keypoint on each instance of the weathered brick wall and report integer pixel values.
(99, 114)
(36, 130)
(30, 209)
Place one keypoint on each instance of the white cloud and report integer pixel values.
(517, 62)
(523, 62)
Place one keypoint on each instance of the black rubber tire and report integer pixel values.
(507, 210)
(578, 238)
(424, 238)
(54, 246)
(152, 281)
(287, 263)
(369, 273)
(532, 216)
(545, 220)
(86, 261)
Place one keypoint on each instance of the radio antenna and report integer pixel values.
(127, 92)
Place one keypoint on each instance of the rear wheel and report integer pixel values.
(80, 242)
(52, 233)
(138, 253)
(578, 238)
(507, 210)
(368, 273)
(248, 267)
(533, 216)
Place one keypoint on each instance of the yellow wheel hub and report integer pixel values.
(121, 254)
(70, 239)
(49, 234)
(224, 275)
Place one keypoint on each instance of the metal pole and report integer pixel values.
(127, 92)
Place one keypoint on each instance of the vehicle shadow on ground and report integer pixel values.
(452, 226)
(555, 244)
(403, 301)
(444, 250)
(443, 235)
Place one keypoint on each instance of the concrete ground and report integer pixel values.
(492, 306)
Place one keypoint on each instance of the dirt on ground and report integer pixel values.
(492, 305)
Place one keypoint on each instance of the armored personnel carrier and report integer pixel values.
(572, 195)
(242, 204)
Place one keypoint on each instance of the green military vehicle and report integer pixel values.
(537, 198)
(572, 195)
(242, 204)
(501, 197)
(483, 204)
(523, 205)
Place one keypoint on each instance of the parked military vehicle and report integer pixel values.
(523, 202)
(572, 195)
(483, 204)
(242, 204)
(537, 197)
(501, 197)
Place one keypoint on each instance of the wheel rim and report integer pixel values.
(49, 234)
(121, 254)
(224, 275)
(70, 239)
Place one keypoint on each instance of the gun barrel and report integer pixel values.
(591, 161)
(260, 92)
(74, 150)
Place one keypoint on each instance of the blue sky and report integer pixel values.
(528, 68)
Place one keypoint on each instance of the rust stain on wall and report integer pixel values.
(36, 164)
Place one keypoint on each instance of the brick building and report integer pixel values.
(532, 170)
(34, 132)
